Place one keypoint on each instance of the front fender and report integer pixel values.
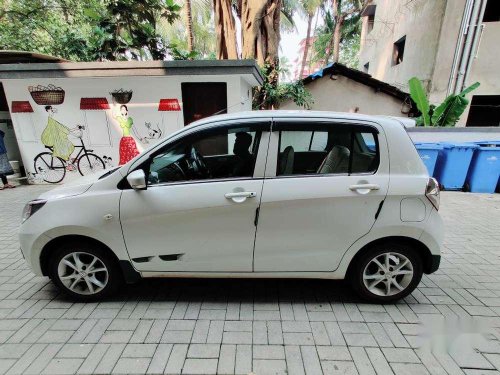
(115, 243)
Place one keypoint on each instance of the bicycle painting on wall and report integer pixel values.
(51, 166)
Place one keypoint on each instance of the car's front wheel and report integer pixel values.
(387, 272)
(85, 272)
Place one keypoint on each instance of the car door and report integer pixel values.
(325, 182)
(195, 218)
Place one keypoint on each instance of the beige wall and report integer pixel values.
(420, 21)
(343, 94)
(450, 32)
(486, 64)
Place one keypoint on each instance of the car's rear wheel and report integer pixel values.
(85, 272)
(387, 272)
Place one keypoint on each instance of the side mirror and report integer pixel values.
(137, 179)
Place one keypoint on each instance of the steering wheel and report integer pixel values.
(198, 163)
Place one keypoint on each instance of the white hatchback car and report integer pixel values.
(260, 194)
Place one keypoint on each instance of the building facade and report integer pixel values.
(341, 89)
(448, 44)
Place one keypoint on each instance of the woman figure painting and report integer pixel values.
(55, 135)
(128, 147)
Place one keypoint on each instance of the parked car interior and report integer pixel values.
(340, 151)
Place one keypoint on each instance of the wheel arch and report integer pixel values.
(422, 250)
(129, 273)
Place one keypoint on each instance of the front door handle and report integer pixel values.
(240, 196)
(364, 188)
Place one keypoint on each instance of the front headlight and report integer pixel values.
(31, 208)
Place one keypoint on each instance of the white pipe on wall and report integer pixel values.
(459, 47)
(478, 30)
(464, 58)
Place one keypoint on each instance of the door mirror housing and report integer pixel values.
(137, 180)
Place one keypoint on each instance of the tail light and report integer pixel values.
(432, 192)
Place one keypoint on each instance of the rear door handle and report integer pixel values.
(240, 196)
(365, 187)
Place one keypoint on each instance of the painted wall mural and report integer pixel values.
(71, 127)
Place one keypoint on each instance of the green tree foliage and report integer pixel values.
(270, 95)
(203, 31)
(447, 113)
(349, 40)
(129, 28)
(55, 27)
(87, 30)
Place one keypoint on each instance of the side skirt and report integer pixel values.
(246, 275)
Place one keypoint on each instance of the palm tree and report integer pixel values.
(202, 29)
(310, 7)
(349, 40)
(342, 10)
(189, 26)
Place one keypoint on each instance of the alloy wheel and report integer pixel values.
(83, 273)
(388, 274)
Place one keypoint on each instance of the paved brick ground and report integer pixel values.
(451, 324)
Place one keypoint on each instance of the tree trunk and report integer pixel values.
(306, 46)
(189, 26)
(225, 30)
(252, 14)
(336, 38)
(332, 49)
(260, 28)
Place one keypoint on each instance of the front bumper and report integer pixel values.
(31, 248)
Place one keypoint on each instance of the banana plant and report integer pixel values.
(447, 113)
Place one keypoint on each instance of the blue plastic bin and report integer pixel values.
(429, 153)
(484, 169)
(453, 163)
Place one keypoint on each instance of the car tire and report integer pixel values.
(85, 272)
(370, 274)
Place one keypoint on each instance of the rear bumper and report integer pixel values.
(434, 264)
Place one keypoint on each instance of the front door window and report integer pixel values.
(223, 153)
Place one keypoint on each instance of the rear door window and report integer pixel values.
(318, 149)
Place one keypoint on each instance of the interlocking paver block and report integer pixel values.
(176, 359)
(243, 359)
(227, 359)
(203, 351)
(75, 351)
(269, 366)
(60, 366)
(160, 358)
(295, 365)
(268, 352)
(131, 366)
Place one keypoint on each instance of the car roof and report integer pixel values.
(406, 122)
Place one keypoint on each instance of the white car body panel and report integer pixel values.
(215, 235)
(208, 231)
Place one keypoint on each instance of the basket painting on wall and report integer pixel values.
(121, 96)
(47, 95)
